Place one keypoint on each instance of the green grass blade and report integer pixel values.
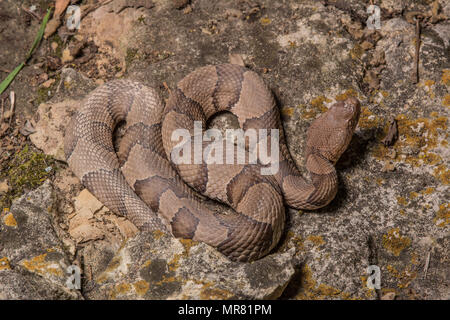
(40, 34)
(5, 83)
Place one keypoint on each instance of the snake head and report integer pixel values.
(330, 134)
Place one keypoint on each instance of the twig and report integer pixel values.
(5, 70)
(94, 7)
(416, 61)
(167, 88)
(31, 13)
(427, 263)
(12, 98)
(1, 114)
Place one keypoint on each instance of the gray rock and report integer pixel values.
(33, 263)
(392, 206)
(157, 266)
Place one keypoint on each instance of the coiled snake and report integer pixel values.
(139, 181)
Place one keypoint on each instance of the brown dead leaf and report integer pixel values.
(372, 80)
(388, 296)
(27, 128)
(52, 26)
(236, 58)
(4, 187)
(388, 166)
(60, 7)
(392, 134)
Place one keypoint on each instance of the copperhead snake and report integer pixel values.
(139, 182)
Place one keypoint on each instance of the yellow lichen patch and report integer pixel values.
(287, 111)
(446, 100)
(429, 85)
(417, 138)
(347, 94)
(442, 173)
(120, 289)
(114, 264)
(318, 103)
(442, 217)
(428, 190)
(208, 292)
(413, 195)
(187, 244)
(317, 107)
(316, 240)
(404, 277)
(370, 293)
(298, 242)
(368, 119)
(402, 201)
(174, 263)
(385, 94)
(167, 280)
(146, 263)
(9, 220)
(265, 21)
(394, 242)
(141, 287)
(356, 52)
(446, 77)
(157, 234)
(414, 258)
(39, 265)
(310, 290)
(4, 264)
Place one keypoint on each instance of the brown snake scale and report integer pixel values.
(139, 181)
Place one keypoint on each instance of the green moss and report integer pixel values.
(141, 19)
(132, 54)
(44, 94)
(55, 38)
(25, 171)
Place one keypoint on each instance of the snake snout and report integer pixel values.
(345, 113)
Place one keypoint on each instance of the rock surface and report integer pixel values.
(392, 206)
(157, 266)
(33, 263)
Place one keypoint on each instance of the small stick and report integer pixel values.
(5, 70)
(12, 98)
(31, 13)
(417, 50)
(167, 87)
(1, 114)
(94, 7)
(427, 263)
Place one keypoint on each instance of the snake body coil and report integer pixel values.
(139, 181)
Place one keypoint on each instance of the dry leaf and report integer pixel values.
(392, 134)
(372, 80)
(236, 58)
(4, 186)
(388, 296)
(60, 7)
(52, 26)
(27, 129)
